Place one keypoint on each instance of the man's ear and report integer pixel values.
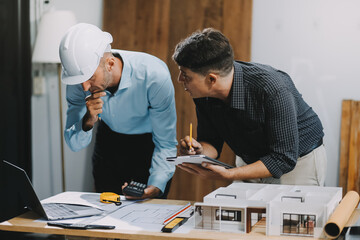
(110, 63)
(213, 77)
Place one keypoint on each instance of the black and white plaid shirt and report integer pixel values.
(267, 119)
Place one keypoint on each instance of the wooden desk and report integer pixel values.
(27, 223)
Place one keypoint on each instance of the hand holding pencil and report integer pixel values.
(189, 146)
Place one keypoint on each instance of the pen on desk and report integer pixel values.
(191, 136)
(79, 225)
(173, 215)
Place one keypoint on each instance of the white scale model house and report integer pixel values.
(287, 209)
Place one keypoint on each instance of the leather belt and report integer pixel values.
(315, 146)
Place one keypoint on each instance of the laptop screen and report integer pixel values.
(18, 178)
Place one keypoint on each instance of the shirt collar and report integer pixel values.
(125, 79)
(237, 89)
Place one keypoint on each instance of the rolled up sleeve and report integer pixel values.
(283, 136)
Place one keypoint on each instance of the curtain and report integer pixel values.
(15, 97)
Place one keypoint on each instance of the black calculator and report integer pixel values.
(134, 189)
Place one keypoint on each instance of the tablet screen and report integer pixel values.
(196, 159)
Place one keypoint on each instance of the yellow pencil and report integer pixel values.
(190, 136)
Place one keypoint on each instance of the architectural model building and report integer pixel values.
(287, 209)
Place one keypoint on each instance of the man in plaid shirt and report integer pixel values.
(255, 109)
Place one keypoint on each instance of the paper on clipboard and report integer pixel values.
(196, 159)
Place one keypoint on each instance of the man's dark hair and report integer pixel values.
(205, 50)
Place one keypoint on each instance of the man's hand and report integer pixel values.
(94, 105)
(149, 192)
(188, 147)
(207, 171)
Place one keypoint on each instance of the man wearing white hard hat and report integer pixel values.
(131, 96)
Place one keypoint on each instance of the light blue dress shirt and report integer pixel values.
(143, 103)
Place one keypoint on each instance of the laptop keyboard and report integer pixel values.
(55, 210)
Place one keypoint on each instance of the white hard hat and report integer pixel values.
(81, 49)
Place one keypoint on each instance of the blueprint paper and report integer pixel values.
(141, 216)
(130, 215)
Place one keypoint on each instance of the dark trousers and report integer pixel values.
(120, 158)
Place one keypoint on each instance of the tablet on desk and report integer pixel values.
(196, 159)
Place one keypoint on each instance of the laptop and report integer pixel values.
(18, 178)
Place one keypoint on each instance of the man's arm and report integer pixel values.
(215, 172)
(282, 133)
(211, 171)
(75, 137)
(249, 171)
(283, 141)
(162, 115)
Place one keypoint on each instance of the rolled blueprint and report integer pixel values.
(341, 215)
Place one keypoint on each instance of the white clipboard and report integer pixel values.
(196, 159)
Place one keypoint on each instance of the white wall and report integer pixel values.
(88, 11)
(317, 43)
(47, 177)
